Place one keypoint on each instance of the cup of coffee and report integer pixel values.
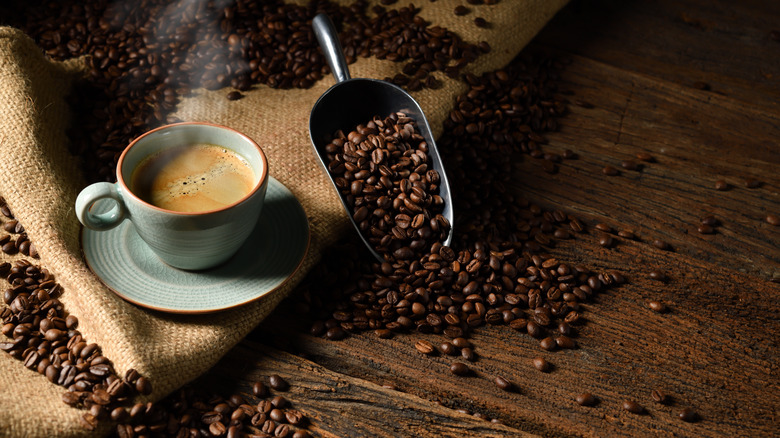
(193, 191)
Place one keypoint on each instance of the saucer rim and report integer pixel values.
(262, 295)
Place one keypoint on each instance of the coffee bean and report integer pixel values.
(656, 306)
(705, 229)
(259, 389)
(424, 347)
(626, 234)
(657, 274)
(752, 183)
(710, 220)
(461, 10)
(336, 333)
(660, 244)
(773, 219)
(629, 165)
(610, 171)
(481, 22)
(565, 342)
(468, 354)
(279, 402)
(633, 407)
(504, 384)
(460, 369)
(658, 396)
(586, 399)
(143, 386)
(448, 349)
(603, 227)
(548, 343)
(278, 383)
(644, 156)
(88, 421)
(606, 241)
(234, 95)
(688, 415)
(301, 434)
(721, 185)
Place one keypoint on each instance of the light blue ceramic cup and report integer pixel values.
(190, 241)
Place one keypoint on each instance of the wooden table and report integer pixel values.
(697, 85)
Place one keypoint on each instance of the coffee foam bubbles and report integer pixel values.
(193, 178)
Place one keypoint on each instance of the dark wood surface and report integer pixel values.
(694, 83)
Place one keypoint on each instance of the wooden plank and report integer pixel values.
(696, 138)
(338, 405)
(725, 45)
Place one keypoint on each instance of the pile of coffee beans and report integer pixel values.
(42, 335)
(496, 272)
(193, 411)
(144, 55)
(385, 177)
(16, 241)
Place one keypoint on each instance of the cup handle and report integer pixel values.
(94, 193)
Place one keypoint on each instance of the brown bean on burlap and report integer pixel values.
(40, 181)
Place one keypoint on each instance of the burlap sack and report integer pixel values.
(40, 182)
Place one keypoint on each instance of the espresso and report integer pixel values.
(193, 178)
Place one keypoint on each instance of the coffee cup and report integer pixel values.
(193, 191)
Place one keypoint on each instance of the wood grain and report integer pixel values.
(715, 349)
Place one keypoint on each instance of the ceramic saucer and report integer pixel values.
(272, 253)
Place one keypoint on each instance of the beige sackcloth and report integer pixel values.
(40, 181)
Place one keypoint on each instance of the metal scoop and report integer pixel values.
(351, 102)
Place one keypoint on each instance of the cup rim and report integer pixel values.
(126, 188)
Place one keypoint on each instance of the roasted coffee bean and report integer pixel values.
(752, 183)
(504, 384)
(279, 402)
(658, 396)
(541, 364)
(629, 165)
(468, 354)
(294, 417)
(278, 383)
(277, 415)
(773, 219)
(705, 229)
(610, 171)
(143, 386)
(586, 399)
(660, 244)
(603, 227)
(656, 306)
(721, 185)
(461, 10)
(259, 389)
(688, 415)
(565, 342)
(301, 434)
(606, 241)
(234, 95)
(460, 369)
(644, 156)
(481, 22)
(633, 407)
(548, 343)
(657, 275)
(424, 347)
(336, 333)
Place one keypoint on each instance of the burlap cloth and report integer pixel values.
(40, 181)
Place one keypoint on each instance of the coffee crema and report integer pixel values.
(193, 177)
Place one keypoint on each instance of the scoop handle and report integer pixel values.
(329, 42)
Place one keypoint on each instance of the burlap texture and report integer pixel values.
(40, 181)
